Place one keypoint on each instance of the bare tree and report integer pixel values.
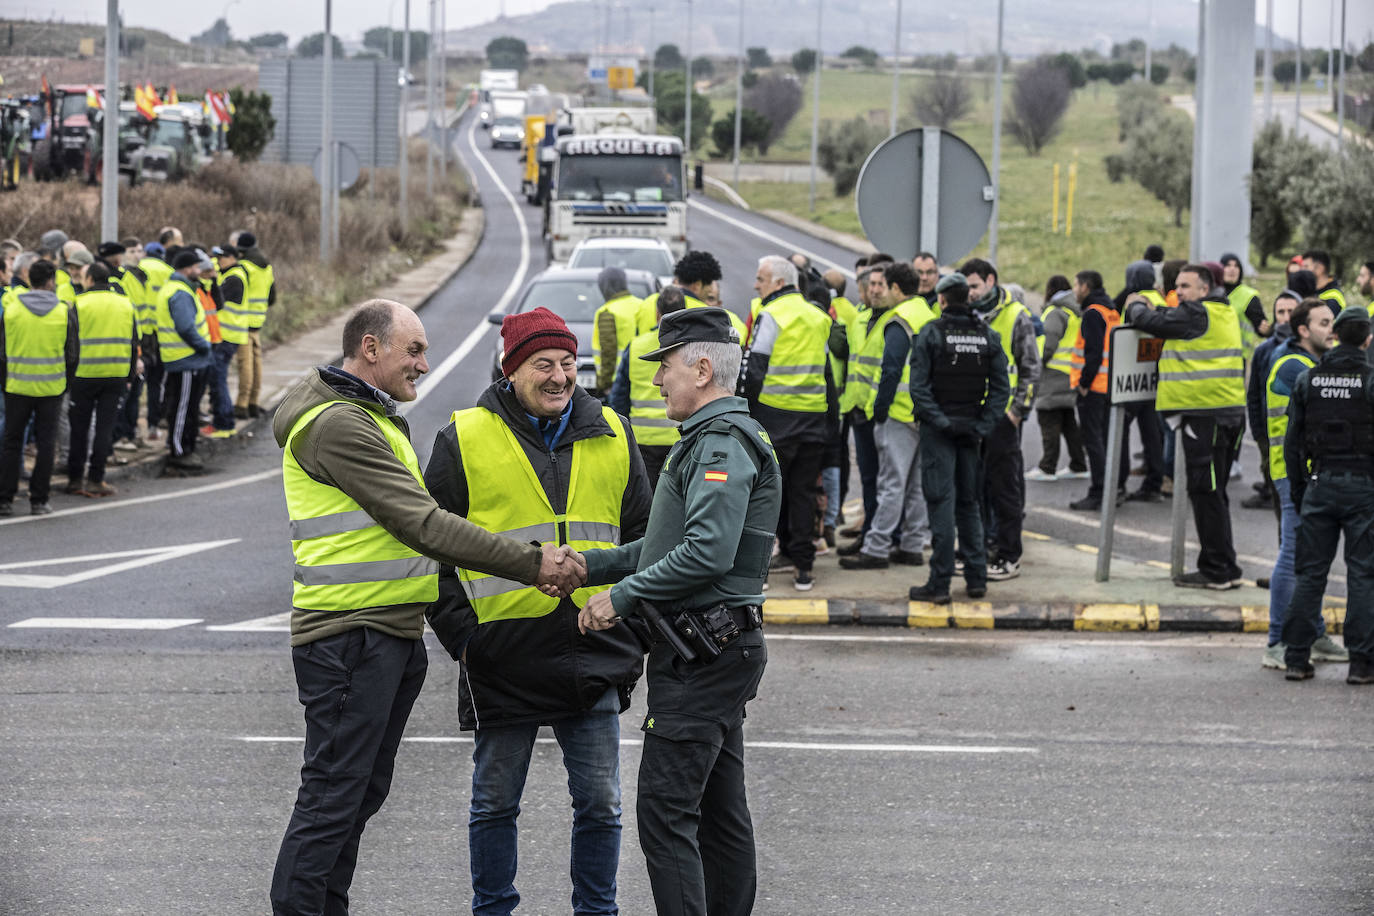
(778, 97)
(1038, 102)
(942, 99)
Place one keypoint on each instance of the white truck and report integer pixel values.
(616, 185)
(588, 121)
(508, 118)
(489, 81)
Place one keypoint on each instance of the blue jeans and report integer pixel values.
(1283, 579)
(830, 483)
(866, 456)
(501, 760)
(221, 405)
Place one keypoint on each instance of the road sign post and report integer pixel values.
(1132, 377)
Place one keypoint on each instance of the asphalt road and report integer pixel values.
(894, 773)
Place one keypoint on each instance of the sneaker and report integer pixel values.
(1273, 657)
(189, 462)
(1004, 569)
(40, 509)
(223, 434)
(852, 531)
(1361, 672)
(241, 413)
(1040, 476)
(781, 563)
(975, 591)
(1167, 487)
(1086, 504)
(1300, 672)
(927, 593)
(1258, 501)
(1326, 649)
(74, 487)
(822, 548)
(863, 561)
(828, 533)
(1074, 475)
(1235, 470)
(155, 435)
(1262, 582)
(851, 549)
(126, 445)
(1259, 486)
(207, 430)
(803, 581)
(1198, 580)
(907, 558)
(958, 566)
(1145, 496)
(100, 489)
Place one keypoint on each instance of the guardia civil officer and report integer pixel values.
(959, 388)
(1329, 453)
(709, 538)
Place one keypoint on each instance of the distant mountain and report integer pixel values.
(783, 26)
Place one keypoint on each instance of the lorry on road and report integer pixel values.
(507, 118)
(489, 81)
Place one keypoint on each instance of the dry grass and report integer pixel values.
(281, 205)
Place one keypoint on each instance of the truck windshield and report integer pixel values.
(620, 178)
(507, 122)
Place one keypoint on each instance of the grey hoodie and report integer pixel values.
(1054, 391)
(41, 302)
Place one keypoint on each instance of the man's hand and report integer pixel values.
(1083, 391)
(562, 571)
(598, 614)
(1136, 297)
(1014, 418)
(1265, 327)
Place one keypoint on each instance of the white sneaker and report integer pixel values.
(1273, 657)
(1066, 474)
(1326, 649)
(1040, 476)
(822, 548)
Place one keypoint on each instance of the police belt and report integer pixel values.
(699, 634)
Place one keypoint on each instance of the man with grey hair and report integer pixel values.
(613, 325)
(791, 390)
(705, 552)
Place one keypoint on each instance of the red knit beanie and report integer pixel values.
(526, 333)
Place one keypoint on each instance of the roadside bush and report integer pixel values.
(842, 150)
(1038, 102)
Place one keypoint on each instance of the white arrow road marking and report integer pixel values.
(769, 745)
(768, 236)
(143, 557)
(277, 623)
(140, 500)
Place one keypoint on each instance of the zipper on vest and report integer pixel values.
(562, 523)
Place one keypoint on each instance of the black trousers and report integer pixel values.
(153, 375)
(19, 409)
(949, 481)
(1054, 423)
(1151, 440)
(1337, 503)
(1209, 448)
(654, 456)
(181, 394)
(1004, 489)
(866, 457)
(800, 463)
(357, 689)
(1092, 417)
(126, 420)
(98, 396)
(694, 824)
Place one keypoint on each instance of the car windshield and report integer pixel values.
(655, 260)
(167, 132)
(573, 300)
(73, 104)
(506, 122)
(620, 178)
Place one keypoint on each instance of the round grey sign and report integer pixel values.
(348, 167)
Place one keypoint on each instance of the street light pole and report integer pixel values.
(896, 69)
(1340, 91)
(688, 128)
(443, 90)
(429, 106)
(651, 51)
(405, 114)
(109, 172)
(739, 91)
(1149, 38)
(1268, 61)
(996, 138)
(327, 135)
(1297, 78)
(816, 103)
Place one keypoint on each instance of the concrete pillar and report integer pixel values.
(1226, 117)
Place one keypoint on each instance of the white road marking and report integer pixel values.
(768, 236)
(141, 500)
(104, 623)
(437, 374)
(277, 623)
(765, 745)
(143, 557)
(1225, 640)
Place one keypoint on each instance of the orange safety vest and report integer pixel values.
(207, 302)
(1076, 373)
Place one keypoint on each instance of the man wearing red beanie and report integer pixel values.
(539, 459)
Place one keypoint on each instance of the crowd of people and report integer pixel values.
(825, 374)
(114, 351)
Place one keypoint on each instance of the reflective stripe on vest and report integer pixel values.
(624, 308)
(856, 382)
(106, 322)
(234, 316)
(1276, 414)
(256, 293)
(1077, 356)
(1207, 372)
(1003, 323)
(35, 348)
(1061, 360)
(795, 379)
(913, 314)
(1333, 294)
(1239, 298)
(344, 559)
(648, 412)
(169, 343)
(506, 496)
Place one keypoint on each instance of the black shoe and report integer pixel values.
(907, 557)
(241, 413)
(1198, 580)
(781, 563)
(1263, 582)
(6, 510)
(1086, 504)
(1361, 672)
(926, 593)
(1258, 501)
(42, 508)
(1259, 486)
(189, 462)
(254, 411)
(1145, 496)
(863, 561)
(975, 591)
(1300, 672)
(852, 548)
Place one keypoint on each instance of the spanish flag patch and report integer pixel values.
(716, 475)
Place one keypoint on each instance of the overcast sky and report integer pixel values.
(352, 17)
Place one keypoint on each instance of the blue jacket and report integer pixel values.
(183, 308)
(1255, 397)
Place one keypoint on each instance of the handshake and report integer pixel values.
(562, 571)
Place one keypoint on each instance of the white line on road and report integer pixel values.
(104, 623)
(765, 745)
(145, 556)
(141, 500)
(277, 623)
(1024, 638)
(766, 236)
(451, 362)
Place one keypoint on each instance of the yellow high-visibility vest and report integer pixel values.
(106, 323)
(795, 379)
(35, 350)
(1207, 372)
(1276, 414)
(648, 412)
(624, 308)
(234, 316)
(169, 343)
(259, 289)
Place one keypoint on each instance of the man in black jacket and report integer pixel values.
(539, 459)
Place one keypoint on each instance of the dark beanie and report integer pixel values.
(186, 257)
(110, 249)
(526, 333)
(247, 240)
